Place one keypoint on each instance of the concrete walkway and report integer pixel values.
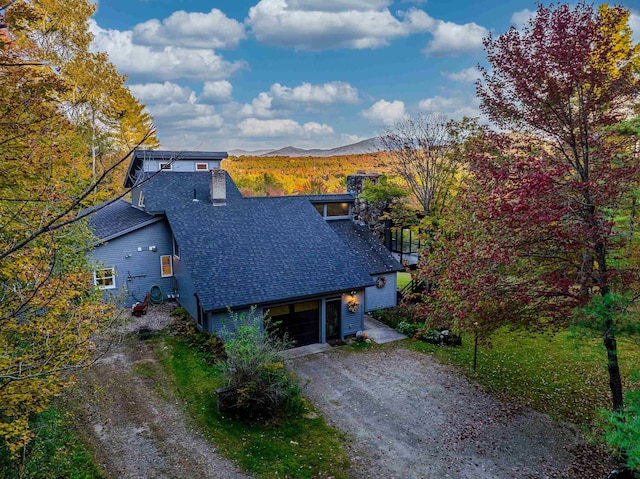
(378, 333)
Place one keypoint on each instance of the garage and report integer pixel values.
(300, 321)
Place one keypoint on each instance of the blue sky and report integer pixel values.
(310, 73)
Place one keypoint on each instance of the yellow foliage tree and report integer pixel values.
(50, 313)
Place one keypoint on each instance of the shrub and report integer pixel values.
(394, 316)
(439, 337)
(623, 429)
(208, 343)
(408, 329)
(259, 383)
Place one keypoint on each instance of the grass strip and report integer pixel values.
(297, 446)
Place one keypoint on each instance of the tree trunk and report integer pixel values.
(615, 382)
(608, 333)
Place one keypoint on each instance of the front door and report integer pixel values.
(333, 311)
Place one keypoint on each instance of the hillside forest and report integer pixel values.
(280, 175)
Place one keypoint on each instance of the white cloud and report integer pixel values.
(355, 24)
(332, 92)
(166, 92)
(450, 38)
(166, 63)
(253, 127)
(205, 122)
(383, 112)
(259, 107)
(634, 23)
(175, 111)
(274, 22)
(453, 107)
(521, 19)
(211, 30)
(217, 91)
(338, 5)
(468, 75)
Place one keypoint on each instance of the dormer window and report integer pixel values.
(202, 167)
(141, 200)
(333, 211)
(337, 210)
(166, 166)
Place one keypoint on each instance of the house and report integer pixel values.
(189, 234)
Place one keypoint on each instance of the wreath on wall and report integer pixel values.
(381, 281)
(352, 305)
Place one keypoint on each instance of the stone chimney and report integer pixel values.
(365, 213)
(218, 187)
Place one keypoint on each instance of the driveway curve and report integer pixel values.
(410, 417)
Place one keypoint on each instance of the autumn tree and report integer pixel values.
(540, 236)
(49, 311)
(421, 153)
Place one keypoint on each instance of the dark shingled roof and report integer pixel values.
(116, 219)
(374, 256)
(253, 250)
(169, 188)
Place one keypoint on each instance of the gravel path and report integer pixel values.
(405, 416)
(137, 428)
(410, 417)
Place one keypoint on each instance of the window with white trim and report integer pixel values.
(105, 278)
(166, 166)
(202, 167)
(166, 265)
(141, 200)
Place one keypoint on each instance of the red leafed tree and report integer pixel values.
(537, 237)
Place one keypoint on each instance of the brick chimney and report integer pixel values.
(218, 187)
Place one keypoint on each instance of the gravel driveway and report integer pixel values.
(408, 417)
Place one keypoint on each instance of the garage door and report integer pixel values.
(300, 321)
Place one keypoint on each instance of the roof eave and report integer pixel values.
(218, 309)
(128, 230)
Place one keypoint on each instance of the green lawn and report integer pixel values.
(299, 446)
(403, 279)
(561, 374)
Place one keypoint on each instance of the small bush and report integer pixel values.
(439, 337)
(208, 343)
(394, 316)
(408, 329)
(255, 370)
(623, 430)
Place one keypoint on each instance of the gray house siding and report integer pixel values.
(185, 291)
(180, 165)
(135, 196)
(137, 266)
(381, 298)
(352, 322)
(221, 322)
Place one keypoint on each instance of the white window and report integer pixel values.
(105, 278)
(202, 167)
(166, 265)
(141, 200)
(166, 166)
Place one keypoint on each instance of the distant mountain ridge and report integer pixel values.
(366, 146)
